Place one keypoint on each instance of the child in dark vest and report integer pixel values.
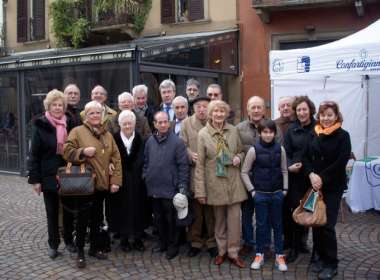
(265, 175)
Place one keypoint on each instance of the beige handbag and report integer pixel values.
(308, 218)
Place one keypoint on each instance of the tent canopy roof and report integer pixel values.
(357, 54)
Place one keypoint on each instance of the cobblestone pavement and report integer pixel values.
(23, 248)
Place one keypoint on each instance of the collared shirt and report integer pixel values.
(168, 109)
(177, 127)
(127, 141)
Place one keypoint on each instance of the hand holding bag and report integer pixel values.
(305, 217)
(76, 180)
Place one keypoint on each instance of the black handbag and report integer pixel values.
(74, 180)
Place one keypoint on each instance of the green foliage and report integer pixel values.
(70, 26)
(140, 18)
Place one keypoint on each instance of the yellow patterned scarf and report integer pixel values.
(327, 131)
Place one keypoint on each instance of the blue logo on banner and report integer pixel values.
(303, 64)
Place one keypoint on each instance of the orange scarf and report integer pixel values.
(327, 131)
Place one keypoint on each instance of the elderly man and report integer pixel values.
(214, 92)
(181, 107)
(126, 102)
(202, 230)
(100, 94)
(286, 113)
(167, 91)
(72, 94)
(192, 89)
(249, 134)
(166, 172)
(140, 95)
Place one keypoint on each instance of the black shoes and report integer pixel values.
(292, 256)
(138, 245)
(158, 248)
(71, 248)
(100, 255)
(327, 273)
(125, 246)
(193, 252)
(172, 253)
(53, 253)
(81, 261)
(304, 250)
(317, 266)
(213, 252)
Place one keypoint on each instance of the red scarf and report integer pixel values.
(60, 127)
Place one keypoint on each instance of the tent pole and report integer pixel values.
(366, 84)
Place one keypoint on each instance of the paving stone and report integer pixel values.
(23, 250)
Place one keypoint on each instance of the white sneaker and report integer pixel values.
(280, 263)
(258, 261)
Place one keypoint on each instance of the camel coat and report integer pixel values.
(218, 190)
(106, 152)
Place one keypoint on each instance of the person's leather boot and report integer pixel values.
(292, 256)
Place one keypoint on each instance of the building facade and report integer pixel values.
(274, 25)
(180, 39)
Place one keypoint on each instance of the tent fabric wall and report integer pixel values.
(346, 71)
(344, 92)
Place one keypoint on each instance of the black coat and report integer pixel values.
(297, 139)
(73, 117)
(130, 208)
(327, 156)
(44, 161)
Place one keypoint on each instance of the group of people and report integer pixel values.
(188, 171)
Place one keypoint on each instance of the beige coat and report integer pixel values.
(189, 134)
(218, 190)
(107, 152)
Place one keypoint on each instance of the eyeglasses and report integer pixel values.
(94, 113)
(212, 94)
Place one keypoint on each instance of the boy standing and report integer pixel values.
(268, 184)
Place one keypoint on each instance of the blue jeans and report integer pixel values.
(269, 209)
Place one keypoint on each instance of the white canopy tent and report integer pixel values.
(346, 71)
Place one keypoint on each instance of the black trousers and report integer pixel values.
(76, 215)
(51, 200)
(165, 217)
(97, 218)
(324, 238)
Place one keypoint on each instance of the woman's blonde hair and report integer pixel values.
(52, 96)
(217, 104)
(92, 105)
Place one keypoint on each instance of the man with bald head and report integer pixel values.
(249, 134)
(286, 113)
(72, 113)
(99, 93)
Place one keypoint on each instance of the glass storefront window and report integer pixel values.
(9, 123)
(114, 77)
(215, 53)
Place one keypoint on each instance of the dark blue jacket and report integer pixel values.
(166, 166)
(266, 170)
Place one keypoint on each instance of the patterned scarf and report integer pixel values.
(61, 131)
(223, 157)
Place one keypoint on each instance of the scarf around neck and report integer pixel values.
(61, 131)
(327, 131)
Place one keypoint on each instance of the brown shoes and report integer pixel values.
(219, 259)
(237, 262)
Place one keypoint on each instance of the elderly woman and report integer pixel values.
(126, 102)
(93, 144)
(299, 134)
(217, 179)
(48, 136)
(130, 203)
(325, 164)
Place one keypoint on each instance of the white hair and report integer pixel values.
(92, 105)
(139, 88)
(127, 114)
(124, 96)
(180, 99)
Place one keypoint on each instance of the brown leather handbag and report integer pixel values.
(76, 180)
(308, 218)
